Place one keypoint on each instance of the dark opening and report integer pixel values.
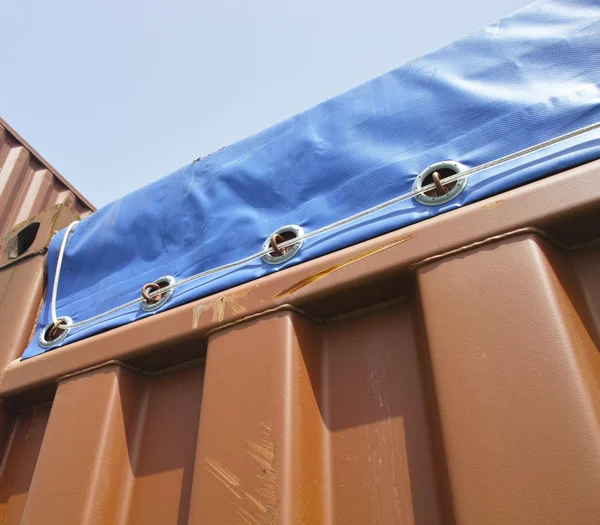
(152, 288)
(24, 240)
(281, 238)
(444, 173)
(53, 332)
(161, 284)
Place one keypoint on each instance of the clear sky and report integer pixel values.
(115, 94)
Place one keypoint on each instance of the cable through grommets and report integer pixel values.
(56, 330)
(60, 324)
(280, 245)
(283, 244)
(157, 293)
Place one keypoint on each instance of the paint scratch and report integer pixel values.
(258, 499)
(262, 508)
(224, 475)
(196, 315)
(264, 497)
(262, 452)
(220, 308)
(323, 273)
(247, 518)
(235, 302)
(493, 204)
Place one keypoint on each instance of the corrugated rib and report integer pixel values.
(28, 184)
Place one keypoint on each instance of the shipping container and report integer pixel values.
(29, 185)
(445, 371)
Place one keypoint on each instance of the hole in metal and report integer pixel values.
(23, 241)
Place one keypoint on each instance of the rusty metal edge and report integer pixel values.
(45, 163)
(43, 237)
(528, 210)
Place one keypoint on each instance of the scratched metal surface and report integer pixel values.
(444, 373)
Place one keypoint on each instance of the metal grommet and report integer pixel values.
(281, 255)
(446, 192)
(154, 303)
(53, 335)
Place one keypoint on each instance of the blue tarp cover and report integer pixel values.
(521, 81)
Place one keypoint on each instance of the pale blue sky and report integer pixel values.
(116, 94)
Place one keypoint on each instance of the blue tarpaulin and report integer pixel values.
(516, 83)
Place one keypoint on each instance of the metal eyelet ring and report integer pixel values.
(444, 194)
(147, 289)
(285, 233)
(150, 304)
(53, 335)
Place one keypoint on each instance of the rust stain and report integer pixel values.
(493, 204)
(323, 273)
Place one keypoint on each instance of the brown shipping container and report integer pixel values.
(445, 373)
(29, 185)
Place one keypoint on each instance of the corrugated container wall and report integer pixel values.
(29, 185)
(445, 373)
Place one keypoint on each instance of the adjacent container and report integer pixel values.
(29, 185)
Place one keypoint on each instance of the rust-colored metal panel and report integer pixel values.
(333, 428)
(445, 373)
(29, 185)
(21, 434)
(22, 277)
(522, 423)
(119, 448)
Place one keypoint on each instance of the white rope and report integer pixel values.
(309, 235)
(61, 253)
